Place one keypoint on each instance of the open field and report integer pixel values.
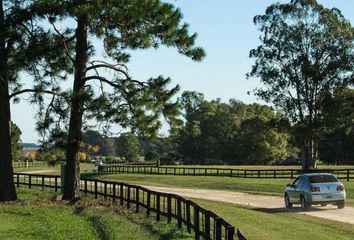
(38, 215)
(248, 185)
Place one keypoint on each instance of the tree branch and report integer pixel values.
(34, 91)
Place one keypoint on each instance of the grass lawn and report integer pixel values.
(39, 215)
(255, 224)
(249, 185)
(84, 168)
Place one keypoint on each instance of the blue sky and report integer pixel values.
(227, 33)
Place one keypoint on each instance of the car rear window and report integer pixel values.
(323, 179)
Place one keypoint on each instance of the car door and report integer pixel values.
(300, 188)
(292, 190)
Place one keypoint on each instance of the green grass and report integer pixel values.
(39, 215)
(256, 224)
(248, 185)
(84, 168)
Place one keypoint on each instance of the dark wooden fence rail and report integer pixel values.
(347, 174)
(28, 164)
(204, 223)
(133, 164)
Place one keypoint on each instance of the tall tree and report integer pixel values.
(22, 43)
(119, 26)
(306, 51)
(7, 188)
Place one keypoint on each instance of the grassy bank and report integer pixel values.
(257, 225)
(39, 215)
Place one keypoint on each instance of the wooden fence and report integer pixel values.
(347, 174)
(202, 222)
(133, 164)
(28, 164)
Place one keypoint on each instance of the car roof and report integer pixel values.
(316, 174)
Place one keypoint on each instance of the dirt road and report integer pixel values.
(263, 203)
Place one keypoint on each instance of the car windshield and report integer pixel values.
(322, 179)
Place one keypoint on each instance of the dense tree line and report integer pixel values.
(231, 133)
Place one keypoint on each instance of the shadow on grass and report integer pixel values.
(290, 210)
(99, 227)
(92, 175)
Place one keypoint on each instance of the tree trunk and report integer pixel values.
(72, 168)
(308, 154)
(7, 187)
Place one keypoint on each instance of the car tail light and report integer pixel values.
(340, 188)
(315, 189)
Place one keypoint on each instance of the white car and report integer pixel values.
(98, 163)
(315, 188)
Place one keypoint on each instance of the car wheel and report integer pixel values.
(304, 204)
(340, 205)
(288, 204)
(323, 204)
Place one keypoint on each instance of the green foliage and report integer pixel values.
(119, 28)
(16, 143)
(53, 157)
(306, 52)
(233, 133)
(337, 138)
(129, 147)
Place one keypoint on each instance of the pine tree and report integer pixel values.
(120, 26)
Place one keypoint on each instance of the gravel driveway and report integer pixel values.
(269, 204)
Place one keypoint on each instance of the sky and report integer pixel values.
(225, 30)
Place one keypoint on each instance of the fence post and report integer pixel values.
(292, 174)
(95, 188)
(85, 186)
(275, 174)
(207, 225)
(188, 216)
(348, 176)
(196, 222)
(137, 200)
(169, 208)
(42, 182)
(230, 232)
(128, 197)
(18, 180)
(29, 181)
(157, 206)
(121, 194)
(179, 212)
(105, 190)
(56, 183)
(114, 192)
(148, 200)
(218, 233)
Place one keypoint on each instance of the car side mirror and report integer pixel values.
(288, 185)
